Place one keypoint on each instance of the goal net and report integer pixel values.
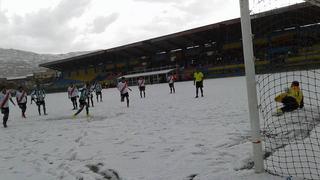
(286, 40)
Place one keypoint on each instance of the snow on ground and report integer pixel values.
(162, 137)
(292, 139)
(293, 142)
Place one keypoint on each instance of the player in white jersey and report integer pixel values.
(142, 87)
(171, 79)
(21, 97)
(123, 88)
(5, 96)
(73, 94)
(98, 90)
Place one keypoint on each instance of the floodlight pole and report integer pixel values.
(251, 85)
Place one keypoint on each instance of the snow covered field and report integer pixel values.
(162, 137)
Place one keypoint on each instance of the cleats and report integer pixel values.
(279, 112)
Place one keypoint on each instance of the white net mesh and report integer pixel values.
(287, 48)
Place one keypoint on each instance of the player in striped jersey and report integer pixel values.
(171, 79)
(142, 87)
(98, 90)
(83, 101)
(5, 96)
(90, 89)
(21, 97)
(123, 88)
(39, 95)
(73, 94)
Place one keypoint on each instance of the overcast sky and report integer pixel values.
(61, 26)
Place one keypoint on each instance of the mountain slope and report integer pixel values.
(19, 63)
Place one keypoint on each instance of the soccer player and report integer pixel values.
(90, 89)
(73, 94)
(98, 90)
(198, 82)
(21, 97)
(291, 100)
(142, 87)
(39, 95)
(123, 88)
(171, 79)
(83, 101)
(5, 96)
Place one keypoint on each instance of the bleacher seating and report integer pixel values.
(61, 82)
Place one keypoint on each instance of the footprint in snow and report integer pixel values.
(106, 173)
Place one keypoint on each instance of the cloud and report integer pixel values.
(182, 15)
(53, 23)
(3, 18)
(73, 25)
(203, 8)
(162, 1)
(158, 20)
(68, 9)
(102, 22)
(186, 15)
(46, 30)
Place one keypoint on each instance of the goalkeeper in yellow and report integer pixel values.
(198, 82)
(291, 100)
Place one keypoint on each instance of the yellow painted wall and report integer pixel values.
(82, 75)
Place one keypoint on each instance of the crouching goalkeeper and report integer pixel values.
(291, 100)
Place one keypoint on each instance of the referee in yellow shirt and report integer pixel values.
(198, 82)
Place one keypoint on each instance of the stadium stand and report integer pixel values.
(216, 48)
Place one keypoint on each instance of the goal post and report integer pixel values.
(281, 50)
(251, 85)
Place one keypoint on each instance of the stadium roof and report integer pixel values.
(19, 77)
(226, 31)
(147, 73)
(16, 78)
